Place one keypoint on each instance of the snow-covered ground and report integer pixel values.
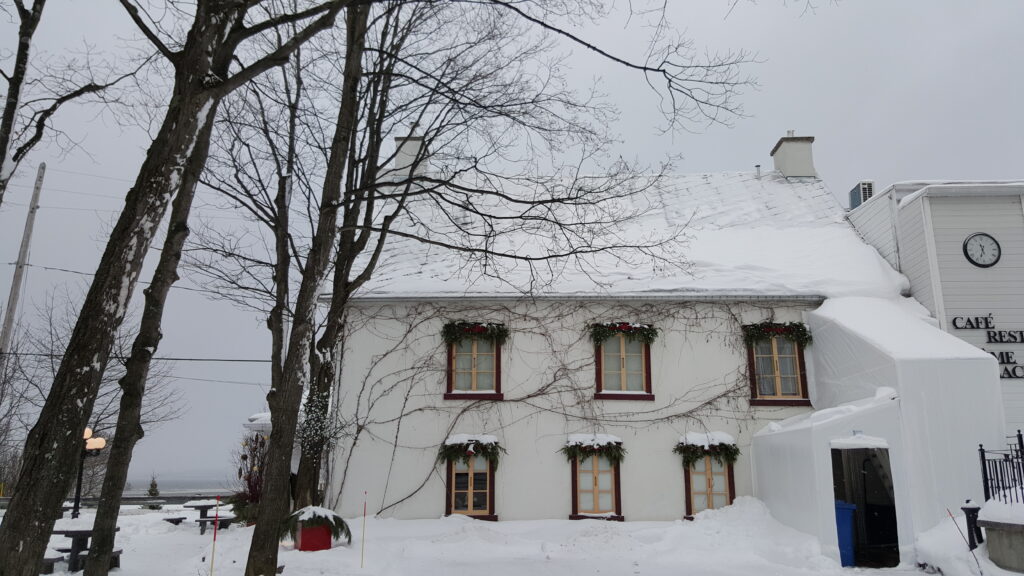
(739, 540)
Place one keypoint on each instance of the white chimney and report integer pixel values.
(410, 157)
(792, 155)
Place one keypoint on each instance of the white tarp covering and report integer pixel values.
(880, 370)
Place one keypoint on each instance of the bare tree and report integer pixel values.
(39, 87)
(202, 55)
(476, 81)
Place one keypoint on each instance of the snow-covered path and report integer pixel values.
(739, 540)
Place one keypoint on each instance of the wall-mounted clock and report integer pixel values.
(982, 250)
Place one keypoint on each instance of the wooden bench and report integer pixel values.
(46, 566)
(115, 557)
(222, 523)
(175, 520)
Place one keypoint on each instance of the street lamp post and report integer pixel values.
(91, 447)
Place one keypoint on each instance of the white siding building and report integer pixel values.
(928, 231)
(443, 372)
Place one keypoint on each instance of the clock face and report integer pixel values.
(982, 250)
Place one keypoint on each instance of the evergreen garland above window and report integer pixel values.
(794, 331)
(633, 331)
(463, 448)
(721, 453)
(596, 445)
(455, 332)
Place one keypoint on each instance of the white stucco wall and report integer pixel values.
(393, 379)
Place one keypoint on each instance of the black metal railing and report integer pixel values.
(1002, 471)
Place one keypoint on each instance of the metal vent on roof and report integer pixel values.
(861, 193)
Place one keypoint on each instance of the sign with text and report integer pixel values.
(1008, 365)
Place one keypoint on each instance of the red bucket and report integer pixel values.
(313, 538)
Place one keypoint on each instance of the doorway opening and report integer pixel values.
(862, 477)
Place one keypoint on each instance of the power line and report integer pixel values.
(161, 358)
(90, 274)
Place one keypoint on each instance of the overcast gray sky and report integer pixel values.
(925, 89)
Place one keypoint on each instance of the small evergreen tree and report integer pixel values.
(154, 490)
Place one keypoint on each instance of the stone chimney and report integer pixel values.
(792, 155)
(410, 157)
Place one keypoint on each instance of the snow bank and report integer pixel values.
(592, 440)
(707, 439)
(470, 439)
(943, 547)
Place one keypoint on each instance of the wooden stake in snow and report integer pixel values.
(216, 523)
(362, 537)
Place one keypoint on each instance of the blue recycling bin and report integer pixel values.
(844, 528)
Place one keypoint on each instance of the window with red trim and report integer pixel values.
(777, 374)
(471, 488)
(623, 369)
(709, 484)
(595, 487)
(474, 370)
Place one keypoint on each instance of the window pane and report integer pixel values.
(480, 480)
(698, 466)
(485, 363)
(787, 366)
(765, 386)
(718, 483)
(586, 481)
(613, 345)
(611, 380)
(635, 382)
(718, 501)
(586, 502)
(763, 348)
(461, 501)
(764, 367)
(480, 463)
(485, 381)
(785, 346)
(459, 466)
(463, 362)
(464, 346)
(791, 386)
(717, 466)
(634, 363)
(587, 463)
(480, 501)
(603, 463)
(604, 481)
(700, 502)
(462, 481)
(483, 345)
(634, 347)
(604, 502)
(463, 380)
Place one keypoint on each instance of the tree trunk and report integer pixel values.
(55, 442)
(285, 401)
(133, 384)
(315, 435)
(26, 30)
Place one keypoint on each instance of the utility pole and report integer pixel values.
(19, 268)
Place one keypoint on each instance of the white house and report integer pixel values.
(961, 245)
(585, 397)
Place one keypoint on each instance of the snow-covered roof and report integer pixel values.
(746, 236)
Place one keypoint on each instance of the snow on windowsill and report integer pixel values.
(706, 440)
(592, 440)
(471, 439)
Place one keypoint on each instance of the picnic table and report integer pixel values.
(80, 544)
(204, 506)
